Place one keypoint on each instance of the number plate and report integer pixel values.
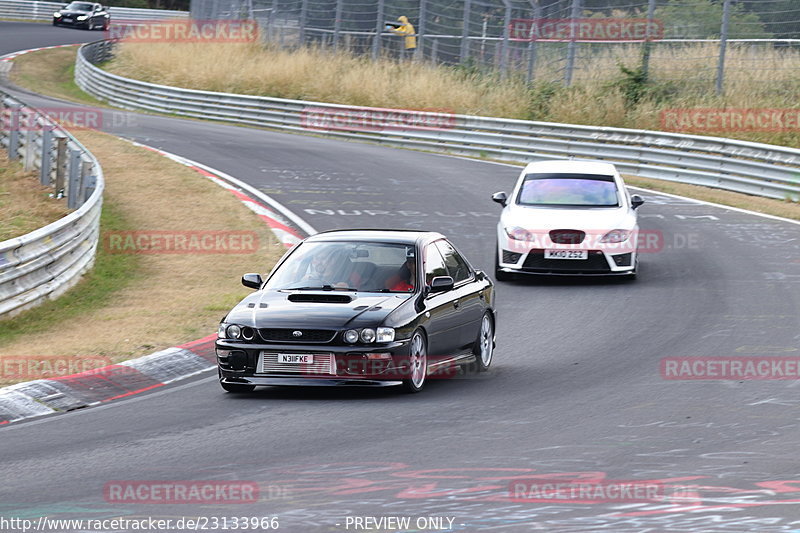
(296, 358)
(566, 254)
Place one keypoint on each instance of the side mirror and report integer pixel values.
(441, 284)
(636, 201)
(500, 197)
(252, 281)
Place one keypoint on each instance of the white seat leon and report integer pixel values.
(567, 217)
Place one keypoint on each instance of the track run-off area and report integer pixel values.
(575, 390)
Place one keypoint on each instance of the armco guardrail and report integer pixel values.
(46, 262)
(27, 10)
(751, 168)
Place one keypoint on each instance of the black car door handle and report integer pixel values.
(456, 304)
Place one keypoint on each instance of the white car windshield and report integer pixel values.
(579, 190)
(362, 266)
(80, 6)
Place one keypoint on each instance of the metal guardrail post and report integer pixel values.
(61, 164)
(29, 150)
(90, 185)
(13, 130)
(74, 176)
(85, 176)
(47, 156)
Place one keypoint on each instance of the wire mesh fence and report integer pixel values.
(702, 41)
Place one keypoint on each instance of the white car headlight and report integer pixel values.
(221, 330)
(385, 335)
(520, 234)
(57, 14)
(616, 235)
(83, 17)
(351, 336)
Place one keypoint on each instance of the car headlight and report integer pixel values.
(221, 330)
(384, 335)
(57, 14)
(351, 336)
(616, 235)
(520, 234)
(233, 332)
(82, 17)
(368, 335)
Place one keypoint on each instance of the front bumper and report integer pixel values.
(72, 22)
(598, 263)
(255, 364)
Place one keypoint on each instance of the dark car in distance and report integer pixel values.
(348, 308)
(86, 15)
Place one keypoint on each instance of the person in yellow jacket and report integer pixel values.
(410, 35)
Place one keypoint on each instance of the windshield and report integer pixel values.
(583, 190)
(80, 6)
(348, 266)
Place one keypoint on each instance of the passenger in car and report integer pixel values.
(405, 278)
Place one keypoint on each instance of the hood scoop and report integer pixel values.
(321, 298)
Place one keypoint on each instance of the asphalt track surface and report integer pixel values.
(575, 390)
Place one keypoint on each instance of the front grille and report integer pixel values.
(567, 236)
(511, 257)
(622, 260)
(324, 364)
(596, 263)
(288, 335)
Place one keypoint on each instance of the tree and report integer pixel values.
(702, 19)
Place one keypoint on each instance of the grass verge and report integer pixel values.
(24, 204)
(132, 304)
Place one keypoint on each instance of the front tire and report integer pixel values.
(418, 364)
(484, 344)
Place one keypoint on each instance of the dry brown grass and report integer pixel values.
(24, 204)
(172, 298)
(311, 74)
(682, 77)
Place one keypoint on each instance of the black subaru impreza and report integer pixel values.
(360, 307)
